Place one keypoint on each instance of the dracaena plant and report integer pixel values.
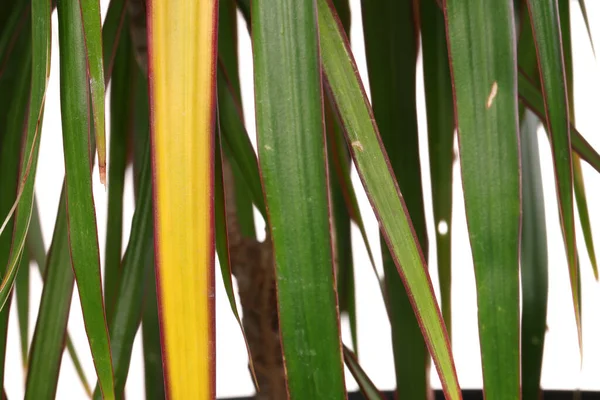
(493, 71)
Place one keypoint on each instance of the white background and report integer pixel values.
(561, 360)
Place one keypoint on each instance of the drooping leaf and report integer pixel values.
(289, 121)
(371, 162)
(440, 128)
(83, 236)
(545, 22)
(92, 34)
(482, 49)
(390, 38)
(534, 261)
(182, 40)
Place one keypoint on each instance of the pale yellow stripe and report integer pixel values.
(182, 62)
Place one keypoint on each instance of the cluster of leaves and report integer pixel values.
(494, 71)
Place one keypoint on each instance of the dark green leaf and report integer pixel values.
(545, 24)
(482, 48)
(534, 261)
(83, 238)
(365, 384)
(53, 315)
(292, 157)
(121, 122)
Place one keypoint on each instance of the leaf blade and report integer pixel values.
(545, 22)
(293, 168)
(183, 189)
(83, 236)
(370, 159)
(483, 34)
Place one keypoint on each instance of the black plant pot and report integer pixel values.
(477, 395)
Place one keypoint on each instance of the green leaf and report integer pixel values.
(578, 183)
(11, 28)
(365, 384)
(532, 97)
(545, 22)
(83, 236)
(371, 162)
(482, 49)
(17, 88)
(222, 241)
(292, 158)
(130, 294)
(341, 219)
(92, 35)
(228, 58)
(534, 261)
(37, 250)
(587, 24)
(49, 335)
(22, 288)
(111, 31)
(236, 143)
(121, 115)
(440, 131)
(390, 43)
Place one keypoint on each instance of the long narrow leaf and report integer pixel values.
(22, 288)
(122, 114)
(9, 163)
(289, 120)
(92, 34)
(374, 170)
(534, 101)
(130, 293)
(586, 20)
(182, 43)
(49, 335)
(228, 58)
(578, 183)
(545, 22)
(390, 38)
(222, 242)
(83, 237)
(111, 31)
(534, 261)
(483, 34)
(440, 127)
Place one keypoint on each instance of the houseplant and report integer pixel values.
(175, 116)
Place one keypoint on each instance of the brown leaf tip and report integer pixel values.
(102, 171)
